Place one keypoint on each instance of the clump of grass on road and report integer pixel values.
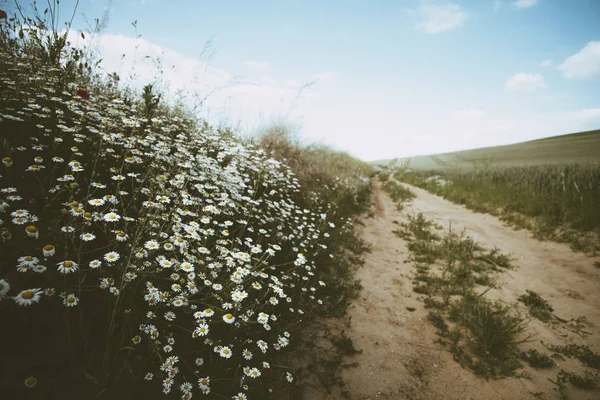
(538, 307)
(482, 335)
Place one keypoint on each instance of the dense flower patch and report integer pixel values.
(155, 253)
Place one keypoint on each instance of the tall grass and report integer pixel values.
(554, 195)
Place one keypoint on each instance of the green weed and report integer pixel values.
(538, 307)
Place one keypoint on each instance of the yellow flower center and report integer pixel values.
(28, 295)
(78, 210)
(71, 300)
(30, 382)
(208, 311)
(228, 316)
(28, 258)
(74, 204)
(48, 247)
(31, 229)
(67, 264)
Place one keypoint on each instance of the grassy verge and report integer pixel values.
(555, 201)
(156, 253)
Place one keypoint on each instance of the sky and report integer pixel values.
(379, 78)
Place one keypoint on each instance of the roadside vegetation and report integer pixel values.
(557, 202)
(145, 252)
(453, 275)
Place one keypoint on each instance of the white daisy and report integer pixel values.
(112, 217)
(87, 237)
(71, 300)
(4, 287)
(95, 264)
(67, 267)
(225, 352)
(28, 297)
(229, 318)
(112, 256)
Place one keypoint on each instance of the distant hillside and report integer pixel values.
(574, 147)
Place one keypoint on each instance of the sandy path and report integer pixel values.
(400, 358)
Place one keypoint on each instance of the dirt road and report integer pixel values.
(400, 358)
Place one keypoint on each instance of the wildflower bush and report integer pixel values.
(151, 253)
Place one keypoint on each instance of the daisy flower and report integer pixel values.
(254, 373)
(262, 345)
(71, 300)
(28, 261)
(87, 237)
(112, 256)
(289, 377)
(4, 287)
(95, 264)
(28, 297)
(201, 330)
(240, 396)
(170, 316)
(112, 217)
(67, 267)
(122, 236)
(229, 318)
(225, 352)
(203, 382)
(38, 268)
(247, 354)
(31, 382)
(32, 232)
(49, 250)
(96, 202)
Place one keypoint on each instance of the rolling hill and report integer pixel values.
(574, 147)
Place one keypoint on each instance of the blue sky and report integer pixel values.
(392, 78)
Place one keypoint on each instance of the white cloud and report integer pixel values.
(440, 18)
(583, 65)
(546, 63)
(525, 3)
(260, 65)
(523, 82)
(222, 95)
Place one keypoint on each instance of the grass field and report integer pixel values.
(550, 186)
(565, 149)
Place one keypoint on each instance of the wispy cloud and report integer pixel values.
(523, 82)
(259, 65)
(525, 3)
(438, 18)
(546, 63)
(218, 94)
(583, 65)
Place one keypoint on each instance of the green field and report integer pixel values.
(572, 148)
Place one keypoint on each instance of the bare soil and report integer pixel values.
(400, 357)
